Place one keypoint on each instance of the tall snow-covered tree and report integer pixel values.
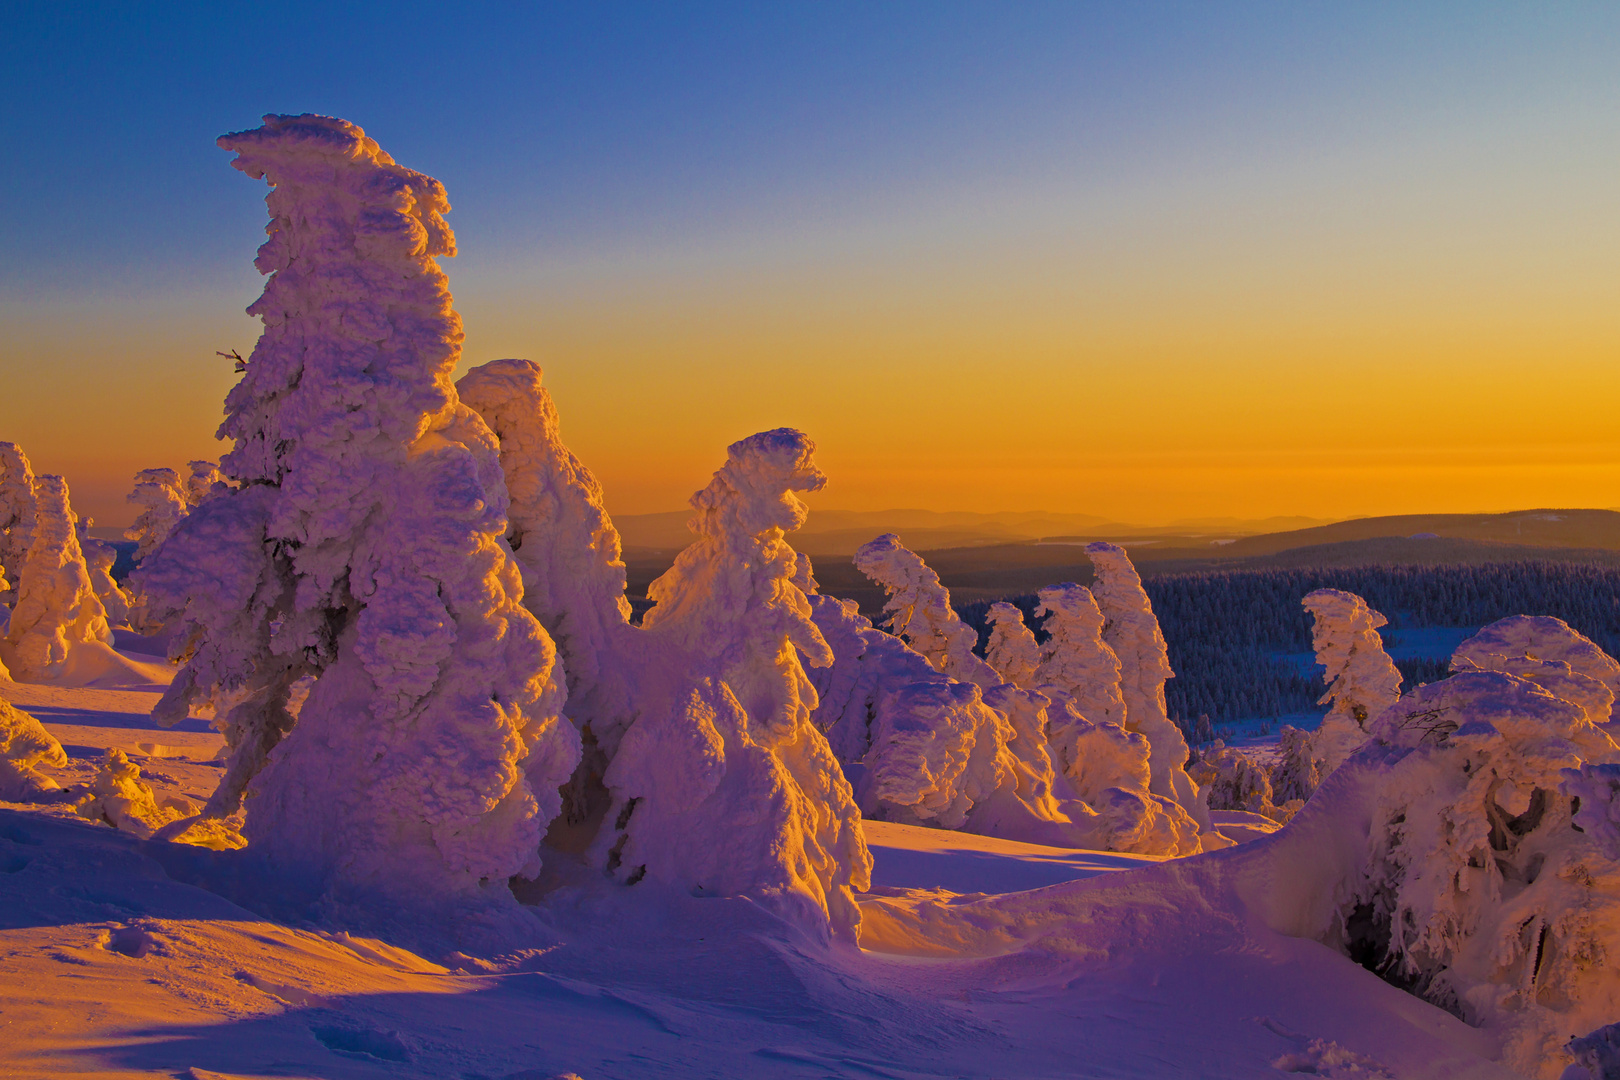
(560, 533)
(16, 515)
(365, 546)
(1012, 650)
(723, 783)
(1361, 680)
(1132, 631)
(57, 609)
(920, 612)
(163, 504)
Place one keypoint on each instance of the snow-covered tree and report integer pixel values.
(560, 533)
(24, 746)
(1074, 658)
(163, 504)
(1491, 881)
(1546, 639)
(1298, 771)
(1361, 680)
(16, 515)
(365, 546)
(722, 783)
(57, 609)
(1132, 631)
(1012, 649)
(99, 557)
(203, 480)
(1234, 780)
(920, 612)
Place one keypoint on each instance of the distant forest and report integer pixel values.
(1225, 628)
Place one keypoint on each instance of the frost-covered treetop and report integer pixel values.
(1075, 659)
(203, 480)
(1012, 649)
(163, 503)
(1119, 594)
(919, 610)
(1360, 677)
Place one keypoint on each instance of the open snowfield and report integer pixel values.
(980, 957)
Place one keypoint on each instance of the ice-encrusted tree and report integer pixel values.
(99, 557)
(920, 613)
(1361, 680)
(722, 784)
(57, 608)
(560, 533)
(16, 515)
(1012, 649)
(1074, 657)
(1547, 640)
(1132, 631)
(203, 480)
(365, 546)
(163, 504)
(1491, 877)
(24, 746)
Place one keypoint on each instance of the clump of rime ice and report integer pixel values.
(24, 746)
(57, 608)
(1491, 885)
(16, 515)
(1505, 645)
(1361, 680)
(920, 613)
(1132, 631)
(1012, 649)
(722, 784)
(562, 537)
(365, 546)
(163, 504)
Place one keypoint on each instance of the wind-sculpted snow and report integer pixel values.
(920, 613)
(562, 537)
(163, 504)
(57, 609)
(1012, 649)
(723, 784)
(365, 547)
(24, 746)
(16, 515)
(1544, 638)
(1132, 631)
(1361, 680)
(1491, 885)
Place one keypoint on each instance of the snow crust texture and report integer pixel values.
(1132, 631)
(723, 784)
(365, 546)
(57, 608)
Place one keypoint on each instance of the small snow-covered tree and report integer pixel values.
(560, 533)
(365, 547)
(24, 746)
(16, 515)
(57, 609)
(203, 480)
(163, 504)
(1361, 680)
(920, 612)
(1132, 631)
(1491, 883)
(1012, 649)
(723, 783)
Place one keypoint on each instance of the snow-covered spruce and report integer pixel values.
(562, 537)
(16, 516)
(1298, 772)
(57, 609)
(1012, 649)
(1361, 680)
(99, 557)
(203, 480)
(24, 746)
(1132, 631)
(1232, 780)
(365, 546)
(722, 784)
(1076, 663)
(163, 504)
(920, 613)
(1491, 884)
(1549, 640)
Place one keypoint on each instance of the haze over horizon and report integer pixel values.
(1148, 264)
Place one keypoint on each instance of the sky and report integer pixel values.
(1148, 261)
